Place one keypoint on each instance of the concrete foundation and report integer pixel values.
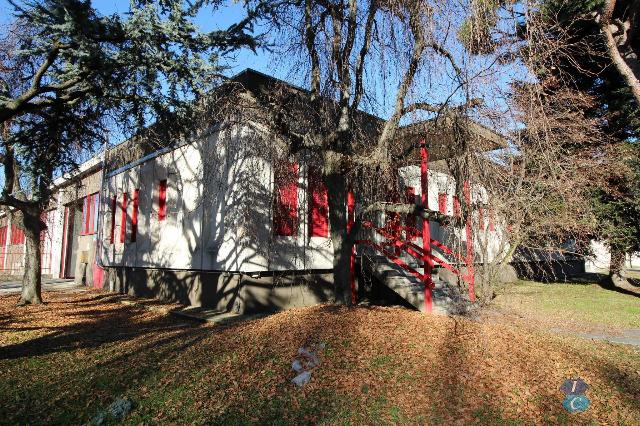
(229, 291)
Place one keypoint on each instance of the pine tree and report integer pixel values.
(67, 73)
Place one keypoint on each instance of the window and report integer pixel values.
(442, 203)
(134, 216)
(123, 218)
(17, 235)
(96, 210)
(285, 209)
(318, 205)
(113, 219)
(162, 200)
(90, 214)
(410, 223)
(456, 206)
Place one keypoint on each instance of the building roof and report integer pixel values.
(437, 133)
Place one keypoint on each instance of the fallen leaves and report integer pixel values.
(63, 361)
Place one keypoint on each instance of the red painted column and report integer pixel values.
(426, 231)
(470, 275)
(351, 207)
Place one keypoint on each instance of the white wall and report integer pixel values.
(219, 202)
(601, 258)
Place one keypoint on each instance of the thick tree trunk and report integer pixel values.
(342, 242)
(32, 279)
(621, 64)
(616, 265)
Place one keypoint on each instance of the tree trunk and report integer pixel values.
(627, 73)
(32, 279)
(616, 265)
(342, 242)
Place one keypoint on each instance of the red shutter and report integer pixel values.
(285, 209)
(162, 200)
(481, 218)
(113, 219)
(123, 219)
(410, 223)
(456, 206)
(442, 203)
(318, 205)
(134, 216)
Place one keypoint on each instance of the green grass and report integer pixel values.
(589, 303)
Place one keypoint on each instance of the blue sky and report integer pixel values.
(207, 20)
(434, 84)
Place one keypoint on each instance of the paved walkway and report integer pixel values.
(13, 287)
(630, 336)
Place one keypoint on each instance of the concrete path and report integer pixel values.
(13, 287)
(629, 336)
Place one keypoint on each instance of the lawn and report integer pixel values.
(585, 305)
(64, 361)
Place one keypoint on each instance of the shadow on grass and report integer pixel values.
(185, 373)
(603, 280)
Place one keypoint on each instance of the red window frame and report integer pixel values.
(89, 214)
(134, 216)
(85, 214)
(318, 205)
(285, 205)
(123, 218)
(162, 200)
(17, 235)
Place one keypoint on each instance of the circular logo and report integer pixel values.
(576, 403)
(574, 386)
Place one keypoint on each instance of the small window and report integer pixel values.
(318, 205)
(162, 200)
(90, 214)
(442, 203)
(96, 210)
(85, 216)
(285, 209)
(134, 216)
(114, 206)
(17, 235)
(123, 218)
(410, 222)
